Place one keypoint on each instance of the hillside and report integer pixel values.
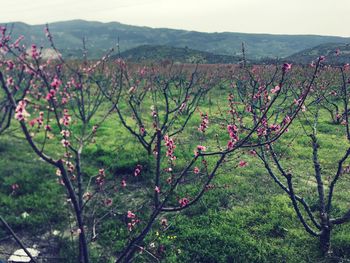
(335, 53)
(99, 36)
(183, 55)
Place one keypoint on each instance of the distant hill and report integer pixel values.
(335, 53)
(99, 36)
(176, 54)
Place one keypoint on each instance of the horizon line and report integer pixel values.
(178, 29)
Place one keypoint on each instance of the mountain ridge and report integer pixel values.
(335, 53)
(101, 36)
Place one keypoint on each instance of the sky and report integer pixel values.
(321, 17)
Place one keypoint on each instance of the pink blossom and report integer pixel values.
(20, 113)
(132, 89)
(275, 127)
(108, 202)
(130, 215)
(132, 224)
(286, 120)
(142, 131)
(233, 132)
(65, 133)
(242, 163)
(14, 187)
(196, 170)
(286, 67)
(65, 143)
(101, 172)
(297, 101)
(56, 82)
(32, 122)
(184, 201)
(199, 149)
(322, 58)
(70, 167)
(65, 120)
(64, 100)
(252, 153)
(87, 196)
(58, 172)
(34, 51)
(123, 183)
(248, 108)
(275, 90)
(170, 144)
(10, 65)
(204, 124)
(261, 131)
(9, 81)
(164, 222)
(230, 145)
(138, 170)
(157, 189)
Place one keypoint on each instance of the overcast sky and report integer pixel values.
(322, 17)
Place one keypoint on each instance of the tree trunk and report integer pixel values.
(325, 241)
(83, 248)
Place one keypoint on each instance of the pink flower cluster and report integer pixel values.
(14, 187)
(70, 167)
(65, 143)
(39, 120)
(133, 220)
(9, 81)
(196, 170)
(275, 89)
(51, 95)
(34, 52)
(123, 183)
(242, 163)
(184, 201)
(142, 130)
(65, 133)
(275, 128)
(286, 67)
(262, 130)
(56, 83)
(157, 189)
(204, 124)
(199, 149)
(20, 113)
(108, 202)
(262, 91)
(138, 170)
(65, 120)
(169, 143)
(286, 120)
(100, 179)
(233, 133)
(10, 65)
